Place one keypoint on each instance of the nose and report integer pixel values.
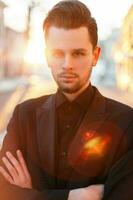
(68, 63)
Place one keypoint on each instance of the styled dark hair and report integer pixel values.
(70, 14)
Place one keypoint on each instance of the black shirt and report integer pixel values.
(69, 117)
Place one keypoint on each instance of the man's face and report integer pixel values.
(70, 56)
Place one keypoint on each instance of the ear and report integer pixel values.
(96, 54)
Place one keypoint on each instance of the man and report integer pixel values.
(73, 140)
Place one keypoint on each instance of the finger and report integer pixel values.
(10, 168)
(6, 175)
(97, 189)
(23, 163)
(15, 163)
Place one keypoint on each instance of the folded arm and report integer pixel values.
(16, 173)
(119, 184)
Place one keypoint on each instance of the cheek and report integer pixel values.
(54, 71)
(55, 66)
(85, 62)
(84, 66)
(56, 62)
(84, 70)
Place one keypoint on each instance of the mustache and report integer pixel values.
(67, 74)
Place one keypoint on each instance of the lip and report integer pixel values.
(68, 76)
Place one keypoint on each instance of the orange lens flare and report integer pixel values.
(92, 143)
(96, 146)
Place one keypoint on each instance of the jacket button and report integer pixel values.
(67, 126)
(64, 153)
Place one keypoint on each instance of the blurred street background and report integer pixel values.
(24, 72)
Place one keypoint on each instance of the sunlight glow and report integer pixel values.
(124, 80)
(95, 147)
(34, 53)
(35, 49)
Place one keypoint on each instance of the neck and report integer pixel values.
(73, 96)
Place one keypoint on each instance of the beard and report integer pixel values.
(70, 82)
(68, 90)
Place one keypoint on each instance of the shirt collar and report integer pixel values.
(84, 99)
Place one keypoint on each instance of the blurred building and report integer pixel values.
(107, 70)
(123, 54)
(13, 44)
(2, 38)
(14, 52)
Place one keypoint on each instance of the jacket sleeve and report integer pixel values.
(8, 191)
(119, 184)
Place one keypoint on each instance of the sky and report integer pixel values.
(108, 14)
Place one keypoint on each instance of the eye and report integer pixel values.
(57, 54)
(78, 53)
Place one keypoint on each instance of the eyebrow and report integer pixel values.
(80, 49)
(84, 50)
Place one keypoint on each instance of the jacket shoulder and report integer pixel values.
(119, 110)
(117, 106)
(113, 106)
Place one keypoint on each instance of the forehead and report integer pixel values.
(68, 38)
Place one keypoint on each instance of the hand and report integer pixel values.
(93, 192)
(17, 173)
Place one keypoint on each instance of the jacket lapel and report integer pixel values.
(46, 135)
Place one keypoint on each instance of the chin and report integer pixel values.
(69, 90)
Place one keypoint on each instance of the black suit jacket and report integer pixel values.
(101, 151)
